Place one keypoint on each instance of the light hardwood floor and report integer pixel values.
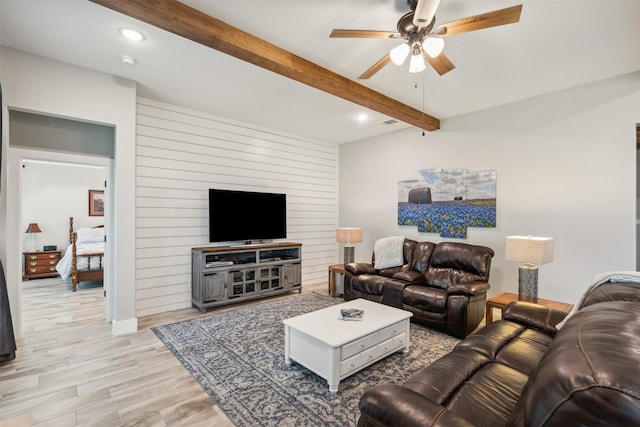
(71, 371)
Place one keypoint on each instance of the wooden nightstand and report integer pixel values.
(501, 301)
(333, 270)
(40, 264)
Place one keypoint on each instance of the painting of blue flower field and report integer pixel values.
(448, 201)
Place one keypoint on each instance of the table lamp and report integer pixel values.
(349, 236)
(529, 250)
(33, 229)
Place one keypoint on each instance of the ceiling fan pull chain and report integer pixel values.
(423, 87)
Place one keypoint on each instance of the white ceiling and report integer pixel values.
(557, 44)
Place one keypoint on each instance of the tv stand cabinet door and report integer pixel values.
(292, 275)
(215, 286)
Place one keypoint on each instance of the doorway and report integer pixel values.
(51, 193)
(39, 139)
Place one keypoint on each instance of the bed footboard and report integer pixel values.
(92, 273)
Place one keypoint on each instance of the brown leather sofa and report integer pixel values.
(522, 371)
(444, 285)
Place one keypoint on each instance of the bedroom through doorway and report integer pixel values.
(53, 192)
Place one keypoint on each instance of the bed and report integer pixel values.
(82, 260)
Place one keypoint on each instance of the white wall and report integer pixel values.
(145, 283)
(181, 153)
(35, 84)
(566, 168)
(53, 192)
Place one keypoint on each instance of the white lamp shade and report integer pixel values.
(417, 63)
(433, 46)
(529, 249)
(399, 53)
(349, 235)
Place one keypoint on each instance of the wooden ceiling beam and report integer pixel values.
(190, 23)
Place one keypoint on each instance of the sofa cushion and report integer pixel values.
(425, 298)
(453, 263)
(590, 374)
(421, 256)
(613, 291)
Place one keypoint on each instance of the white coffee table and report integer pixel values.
(334, 348)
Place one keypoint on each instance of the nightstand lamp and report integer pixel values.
(529, 250)
(33, 229)
(349, 236)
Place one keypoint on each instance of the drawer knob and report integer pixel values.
(33, 263)
(371, 356)
(361, 345)
(33, 270)
(352, 365)
(52, 269)
(53, 256)
(33, 256)
(52, 262)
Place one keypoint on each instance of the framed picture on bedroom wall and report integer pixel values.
(96, 202)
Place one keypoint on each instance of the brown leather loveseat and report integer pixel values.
(522, 371)
(444, 285)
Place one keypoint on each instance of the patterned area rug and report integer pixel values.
(238, 358)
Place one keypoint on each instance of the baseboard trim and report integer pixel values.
(121, 327)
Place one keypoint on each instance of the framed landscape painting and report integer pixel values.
(448, 201)
(96, 202)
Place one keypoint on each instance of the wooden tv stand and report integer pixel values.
(227, 274)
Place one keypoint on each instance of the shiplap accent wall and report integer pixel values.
(181, 153)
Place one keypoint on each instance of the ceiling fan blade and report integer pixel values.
(425, 10)
(509, 15)
(365, 34)
(440, 63)
(375, 67)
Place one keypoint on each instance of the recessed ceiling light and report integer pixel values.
(129, 60)
(132, 35)
(362, 117)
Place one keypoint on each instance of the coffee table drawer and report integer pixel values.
(371, 340)
(369, 355)
(351, 364)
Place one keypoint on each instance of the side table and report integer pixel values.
(39, 264)
(333, 270)
(501, 301)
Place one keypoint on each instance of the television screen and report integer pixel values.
(246, 216)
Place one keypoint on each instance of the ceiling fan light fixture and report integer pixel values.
(417, 63)
(399, 53)
(433, 46)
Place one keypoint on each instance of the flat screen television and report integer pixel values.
(246, 216)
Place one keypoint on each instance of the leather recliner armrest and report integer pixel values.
(410, 276)
(360, 268)
(395, 405)
(534, 316)
(468, 288)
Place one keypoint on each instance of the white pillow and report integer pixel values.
(387, 252)
(90, 235)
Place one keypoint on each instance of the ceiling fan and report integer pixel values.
(416, 26)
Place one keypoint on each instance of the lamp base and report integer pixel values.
(349, 252)
(528, 284)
